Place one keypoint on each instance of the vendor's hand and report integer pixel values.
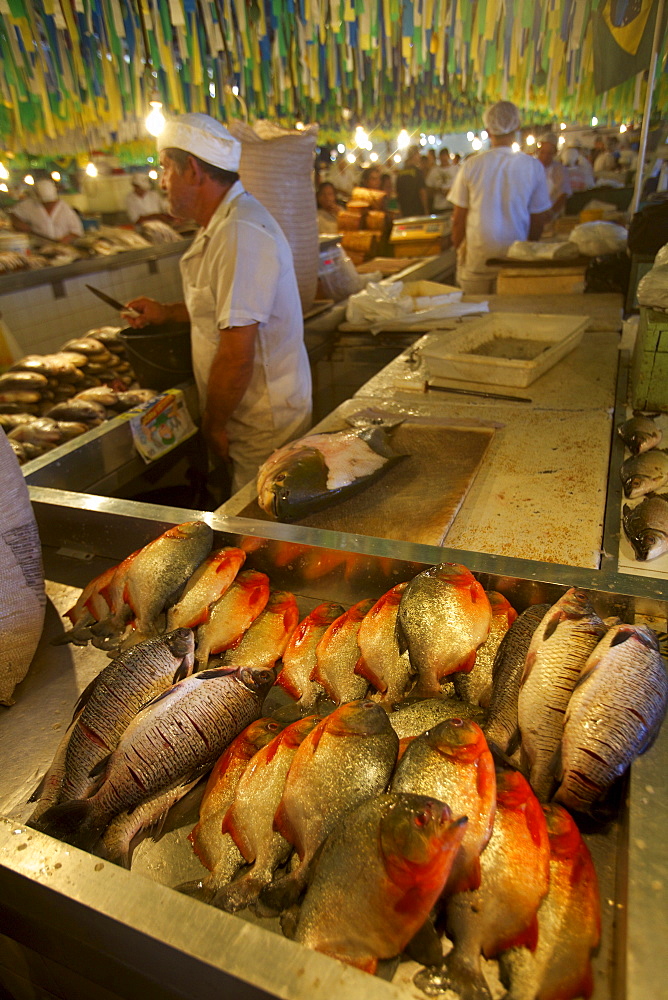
(216, 438)
(150, 312)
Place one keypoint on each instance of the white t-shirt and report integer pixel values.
(501, 190)
(558, 181)
(137, 206)
(437, 179)
(239, 271)
(61, 222)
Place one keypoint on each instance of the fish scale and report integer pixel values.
(558, 651)
(614, 714)
(175, 737)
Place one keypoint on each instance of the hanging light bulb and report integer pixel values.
(470, 136)
(153, 174)
(515, 147)
(91, 169)
(562, 126)
(397, 157)
(562, 140)
(341, 148)
(3, 187)
(300, 126)
(155, 120)
(4, 173)
(350, 157)
(484, 135)
(29, 179)
(403, 140)
(476, 144)
(55, 176)
(530, 140)
(373, 157)
(622, 128)
(594, 121)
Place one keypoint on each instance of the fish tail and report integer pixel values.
(76, 822)
(197, 889)
(463, 978)
(282, 894)
(239, 894)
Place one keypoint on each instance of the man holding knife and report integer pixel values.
(241, 299)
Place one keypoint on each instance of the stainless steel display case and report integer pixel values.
(125, 934)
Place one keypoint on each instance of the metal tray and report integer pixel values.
(76, 915)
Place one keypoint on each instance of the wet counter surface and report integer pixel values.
(101, 920)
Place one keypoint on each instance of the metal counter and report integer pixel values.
(121, 933)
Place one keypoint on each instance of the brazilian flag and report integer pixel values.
(623, 33)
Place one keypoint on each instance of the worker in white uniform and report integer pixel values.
(143, 203)
(499, 196)
(241, 297)
(558, 181)
(47, 215)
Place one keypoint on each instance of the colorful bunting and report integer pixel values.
(419, 64)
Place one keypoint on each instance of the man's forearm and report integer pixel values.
(176, 312)
(230, 375)
(536, 225)
(458, 225)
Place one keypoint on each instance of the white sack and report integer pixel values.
(596, 238)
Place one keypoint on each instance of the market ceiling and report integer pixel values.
(71, 66)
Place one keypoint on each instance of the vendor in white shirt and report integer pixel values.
(499, 196)
(558, 181)
(47, 215)
(143, 203)
(241, 298)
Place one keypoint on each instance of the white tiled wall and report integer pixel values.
(42, 323)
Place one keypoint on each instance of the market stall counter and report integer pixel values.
(75, 924)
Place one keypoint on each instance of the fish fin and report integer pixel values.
(215, 672)
(425, 946)
(83, 698)
(527, 938)
(196, 889)
(283, 680)
(289, 921)
(240, 893)
(282, 894)
(236, 833)
(467, 880)
(467, 664)
(284, 826)
(183, 670)
(362, 669)
(73, 822)
(99, 768)
(464, 979)
(501, 756)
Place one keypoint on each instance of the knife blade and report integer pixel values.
(114, 303)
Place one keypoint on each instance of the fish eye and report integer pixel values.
(421, 818)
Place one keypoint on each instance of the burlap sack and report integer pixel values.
(22, 596)
(277, 168)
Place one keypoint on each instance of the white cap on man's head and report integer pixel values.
(502, 118)
(141, 181)
(204, 137)
(46, 191)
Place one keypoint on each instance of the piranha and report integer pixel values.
(646, 526)
(319, 470)
(639, 433)
(377, 877)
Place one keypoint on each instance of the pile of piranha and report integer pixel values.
(371, 814)
(643, 474)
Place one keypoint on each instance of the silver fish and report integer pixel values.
(476, 686)
(444, 616)
(412, 718)
(113, 698)
(644, 473)
(614, 714)
(250, 819)
(207, 584)
(80, 411)
(646, 526)
(559, 649)
(639, 434)
(172, 740)
(381, 661)
(266, 638)
(501, 727)
(337, 655)
(299, 658)
(42, 432)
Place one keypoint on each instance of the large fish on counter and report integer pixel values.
(614, 714)
(319, 470)
(502, 912)
(377, 877)
(569, 923)
(559, 650)
(174, 739)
